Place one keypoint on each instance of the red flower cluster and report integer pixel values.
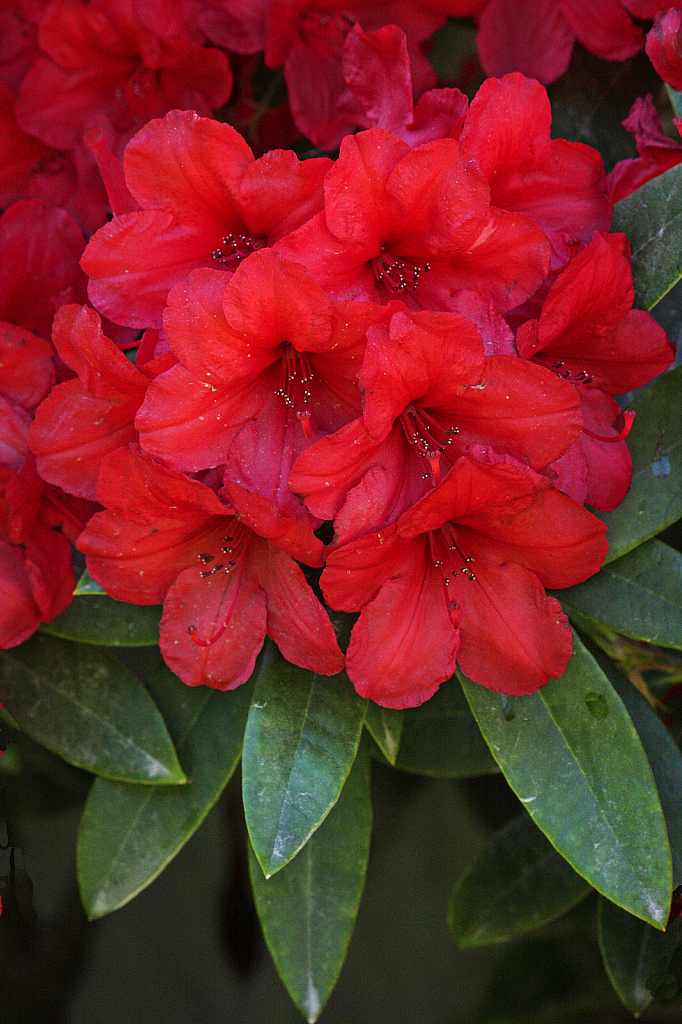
(420, 342)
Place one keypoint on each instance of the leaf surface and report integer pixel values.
(308, 909)
(301, 738)
(85, 706)
(571, 754)
(518, 882)
(128, 834)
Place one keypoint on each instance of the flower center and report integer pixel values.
(428, 436)
(235, 248)
(295, 376)
(325, 31)
(397, 274)
(448, 555)
(583, 377)
(233, 551)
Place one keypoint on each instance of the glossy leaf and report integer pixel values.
(651, 216)
(385, 726)
(441, 737)
(301, 738)
(128, 834)
(518, 882)
(635, 955)
(99, 619)
(663, 755)
(639, 595)
(654, 500)
(308, 909)
(85, 706)
(571, 754)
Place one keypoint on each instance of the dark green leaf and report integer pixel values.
(675, 98)
(442, 738)
(86, 585)
(652, 219)
(129, 833)
(571, 754)
(654, 500)
(639, 595)
(85, 706)
(98, 619)
(663, 755)
(301, 738)
(385, 726)
(518, 882)
(308, 909)
(636, 956)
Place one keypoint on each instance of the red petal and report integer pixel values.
(27, 365)
(530, 36)
(297, 622)
(664, 46)
(605, 29)
(404, 644)
(513, 636)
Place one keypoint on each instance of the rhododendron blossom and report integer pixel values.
(223, 569)
(459, 577)
(205, 201)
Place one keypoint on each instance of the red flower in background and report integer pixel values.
(657, 152)
(308, 39)
(536, 37)
(664, 46)
(460, 577)
(224, 572)
(114, 65)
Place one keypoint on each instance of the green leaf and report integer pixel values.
(385, 726)
(99, 619)
(636, 957)
(301, 738)
(441, 737)
(652, 219)
(518, 882)
(675, 98)
(663, 755)
(639, 595)
(571, 754)
(85, 706)
(86, 585)
(308, 909)
(128, 834)
(654, 500)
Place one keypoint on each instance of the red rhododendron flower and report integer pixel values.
(664, 46)
(36, 522)
(430, 394)
(657, 152)
(267, 365)
(376, 68)
(418, 223)
(224, 572)
(204, 201)
(82, 420)
(308, 38)
(114, 65)
(559, 184)
(18, 38)
(459, 577)
(39, 270)
(589, 334)
(536, 37)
